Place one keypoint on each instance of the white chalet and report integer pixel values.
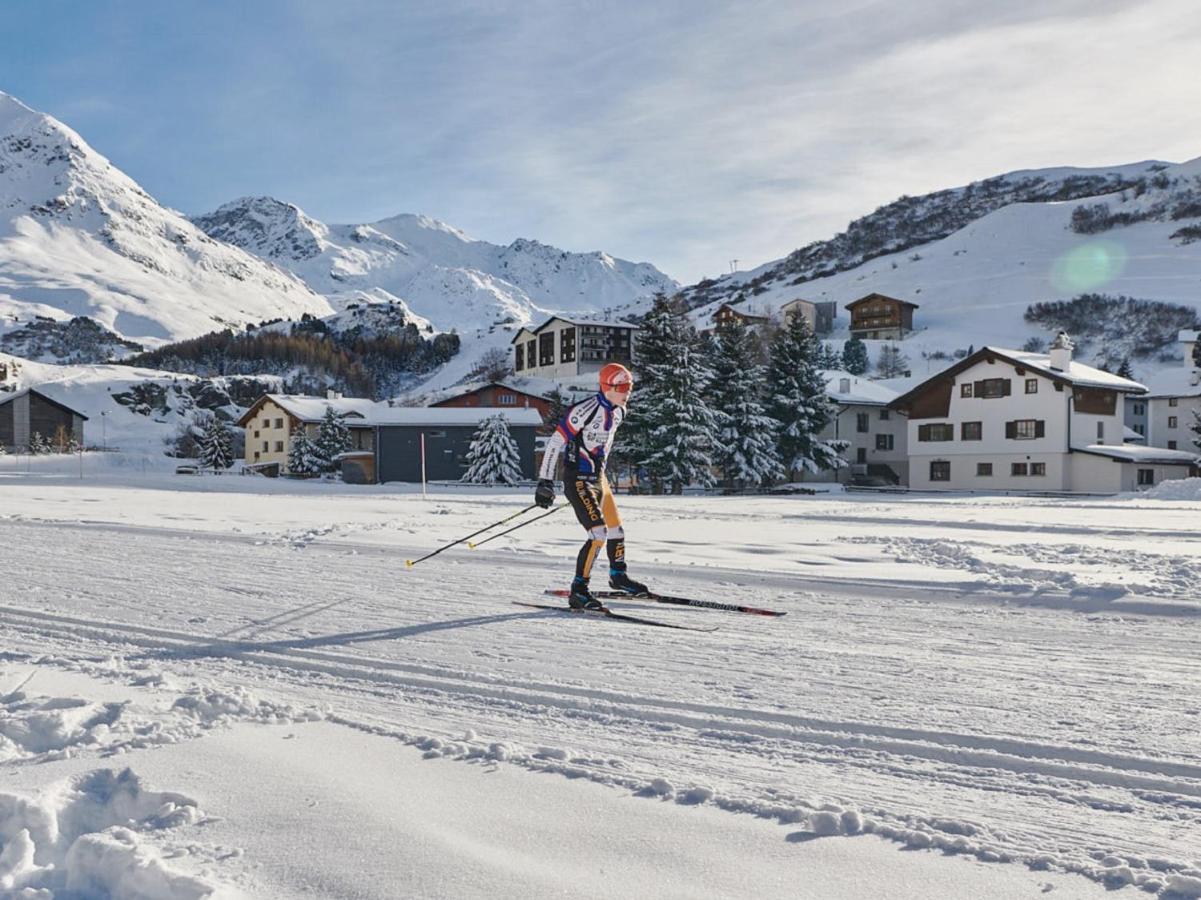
(877, 435)
(564, 348)
(1172, 405)
(1014, 421)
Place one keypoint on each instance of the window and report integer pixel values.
(546, 349)
(1017, 468)
(256, 454)
(519, 358)
(940, 470)
(992, 387)
(1171, 445)
(1025, 429)
(862, 423)
(1171, 421)
(256, 432)
(1100, 431)
(1138, 409)
(1141, 429)
(1031, 385)
(1038, 468)
(1172, 401)
(884, 415)
(884, 442)
(971, 431)
(530, 361)
(936, 432)
(279, 423)
(860, 455)
(1146, 476)
(983, 470)
(567, 346)
(965, 390)
(266, 446)
(508, 399)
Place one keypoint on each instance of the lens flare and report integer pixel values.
(1088, 267)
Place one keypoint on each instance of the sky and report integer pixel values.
(682, 134)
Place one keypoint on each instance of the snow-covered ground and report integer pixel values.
(233, 684)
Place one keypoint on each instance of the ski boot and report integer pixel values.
(581, 597)
(620, 581)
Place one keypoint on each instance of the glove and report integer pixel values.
(544, 496)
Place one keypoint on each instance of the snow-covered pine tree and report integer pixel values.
(652, 341)
(557, 402)
(303, 456)
(745, 449)
(828, 357)
(333, 438)
(854, 356)
(216, 447)
(797, 400)
(1124, 370)
(892, 362)
(38, 445)
(1197, 355)
(672, 411)
(493, 457)
(1195, 428)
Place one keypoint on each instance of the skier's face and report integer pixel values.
(618, 396)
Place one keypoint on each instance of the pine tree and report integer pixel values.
(854, 356)
(892, 362)
(798, 401)
(303, 456)
(1124, 370)
(1195, 428)
(745, 449)
(38, 445)
(493, 457)
(558, 406)
(1197, 355)
(333, 438)
(216, 447)
(827, 357)
(671, 425)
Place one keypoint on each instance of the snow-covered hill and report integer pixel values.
(974, 258)
(484, 291)
(80, 238)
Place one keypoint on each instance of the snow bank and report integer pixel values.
(1173, 489)
(83, 838)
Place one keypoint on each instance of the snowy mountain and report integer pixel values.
(80, 238)
(975, 258)
(443, 276)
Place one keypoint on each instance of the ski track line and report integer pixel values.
(940, 746)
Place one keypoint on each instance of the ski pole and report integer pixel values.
(409, 563)
(522, 525)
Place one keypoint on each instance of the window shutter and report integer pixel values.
(1011, 430)
(1040, 428)
(1006, 385)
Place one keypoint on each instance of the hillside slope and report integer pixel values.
(80, 238)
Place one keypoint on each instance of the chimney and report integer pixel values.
(1061, 352)
(330, 395)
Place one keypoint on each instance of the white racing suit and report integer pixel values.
(585, 436)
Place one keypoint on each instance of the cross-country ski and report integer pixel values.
(605, 613)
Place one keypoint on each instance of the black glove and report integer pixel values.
(544, 496)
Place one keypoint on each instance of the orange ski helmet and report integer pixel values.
(616, 377)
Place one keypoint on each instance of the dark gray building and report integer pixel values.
(30, 412)
(448, 434)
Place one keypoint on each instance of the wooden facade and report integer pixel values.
(728, 315)
(28, 413)
(497, 394)
(880, 317)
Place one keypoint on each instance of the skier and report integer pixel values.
(586, 433)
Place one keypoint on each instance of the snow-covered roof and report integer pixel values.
(1137, 454)
(535, 387)
(1129, 434)
(1187, 336)
(1174, 382)
(6, 398)
(574, 321)
(449, 415)
(1076, 373)
(860, 391)
(312, 409)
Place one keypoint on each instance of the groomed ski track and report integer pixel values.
(1050, 737)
